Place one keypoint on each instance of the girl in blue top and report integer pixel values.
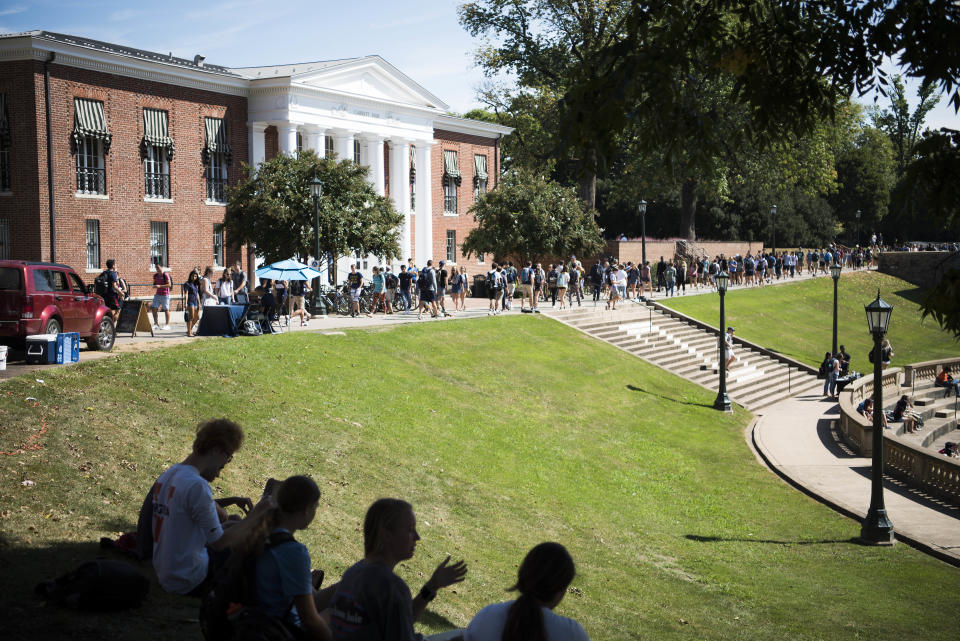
(379, 293)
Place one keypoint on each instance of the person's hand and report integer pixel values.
(447, 574)
(241, 502)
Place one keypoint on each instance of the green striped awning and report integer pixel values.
(413, 163)
(450, 164)
(480, 167)
(217, 137)
(155, 130)
(89, 121)
(4, 123)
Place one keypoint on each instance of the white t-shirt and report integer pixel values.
(184, 522)
(205, 298)
(621, 278)
(489, 622)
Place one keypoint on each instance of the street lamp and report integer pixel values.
(722, 401)
(316, 190)
(773, 215)
(877, 528)
(858, 228)
(835, 270)
(643, 232)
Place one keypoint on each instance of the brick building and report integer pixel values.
(113, 152)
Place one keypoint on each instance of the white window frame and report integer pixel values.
(156, 163)
(159, 243)
(92, 227)
(216, 174)
(451, 246)
(219, 247)
(450, 194)
(90, 162)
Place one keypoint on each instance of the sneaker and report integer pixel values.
(165, 328)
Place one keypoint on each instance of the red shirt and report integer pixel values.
(162, 279)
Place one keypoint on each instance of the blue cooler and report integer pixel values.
(42, 349)
(68, 347)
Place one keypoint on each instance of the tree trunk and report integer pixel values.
(688, 209)
(588, 179)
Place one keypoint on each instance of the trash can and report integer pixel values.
(479, 286)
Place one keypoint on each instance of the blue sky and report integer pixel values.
(420, 37)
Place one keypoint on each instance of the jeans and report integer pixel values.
(242, 299)
(669, 287)
(830, 384)
(405, 295)
(597, 288)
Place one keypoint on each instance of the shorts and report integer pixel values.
(526, 289)
(427, 296)
(390, 293)
(495, 293)
(355, 294)
(161, 302)
(441, 292)
(296, 302)
(112, 302)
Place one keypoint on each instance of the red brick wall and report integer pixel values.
(466, 147)
(271, 143)
(124, 216)
(20, 207)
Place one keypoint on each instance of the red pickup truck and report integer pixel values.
(49, 298)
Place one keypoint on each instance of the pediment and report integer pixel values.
(373, 78)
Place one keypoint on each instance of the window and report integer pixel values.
(299, 141)
(157, 154)
(451, 178)
(218, 257)
(77, 283)
(93, 244)
(358, 261)
(356, 151)
(50, 280)
(328, 146)
(218, 155)
(4, 240)
(451, 245)
(91, 144)
(158, 243)
(4, 145)
(480, 259)
(479, 176)
(413, 178)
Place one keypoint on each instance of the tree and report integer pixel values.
(865, 174)
(905, 128)
(530, 217)
(273, 209)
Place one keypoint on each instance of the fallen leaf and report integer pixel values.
(27, 483)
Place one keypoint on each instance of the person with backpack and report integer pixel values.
(405, 279)
(539, 277)
(510, 288)
(575, 278)
(297, 305)
(108, 286)
(552, 284)
(372, 603)
(494, 288)
(427, 282)
(831, 370)
(542, 581)
(596, 280)
(526, 286)
(355, 285)
(442, 282)
(162, 282)
(391, 284)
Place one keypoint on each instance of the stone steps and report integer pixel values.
(753, 380)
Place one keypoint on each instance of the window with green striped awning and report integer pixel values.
(480, 167)
(216, 130)
(156, 131)
(450, 169)
(89, 122)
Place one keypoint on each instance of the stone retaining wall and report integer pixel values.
(632, 250)
(925, 269)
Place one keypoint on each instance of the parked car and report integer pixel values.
(48, 298)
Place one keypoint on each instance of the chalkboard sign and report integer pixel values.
(133, 318)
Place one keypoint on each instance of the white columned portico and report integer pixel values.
(257, 142)
(400, 192)
(314, 139)
(374, 160)
(287, 137)
(424, 213)
(343, 144)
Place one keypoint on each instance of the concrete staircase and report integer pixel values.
(753, 381)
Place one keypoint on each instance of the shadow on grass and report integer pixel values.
(436, 621)
(720, 539)
(27, 617)
(914, 295)
(634, 388)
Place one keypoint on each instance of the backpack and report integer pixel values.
(101, 284)
(525, 275)
(103, 584)
(511, 275)
(250, 328)
(552, 279)
(222, 608)
(392, 281)
(493, 280)
(596, 273)
(870, 356)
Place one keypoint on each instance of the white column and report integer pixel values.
(400, 191)
(313, 139)
(374, 160)
(287, 138)
(343, 144)
(424, 227)
(257, 142)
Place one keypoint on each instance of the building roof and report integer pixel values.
(280, 71)
(197, 64)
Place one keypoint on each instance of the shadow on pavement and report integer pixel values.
(898, 487)
(830, 439)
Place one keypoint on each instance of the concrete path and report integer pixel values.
(797, 437)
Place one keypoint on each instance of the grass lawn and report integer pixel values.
(796, 319)
(502, 432)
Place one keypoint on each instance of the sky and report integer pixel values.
(422, 38)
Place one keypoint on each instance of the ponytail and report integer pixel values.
(524, 620)
(546, 571)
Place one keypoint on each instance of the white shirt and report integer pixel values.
(489, 622)
(621, 277)
(184, 522)
(205, 297)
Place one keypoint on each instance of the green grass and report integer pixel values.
(796, 319)
(503, 433)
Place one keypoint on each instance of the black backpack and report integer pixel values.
(493, 280)
(223, 609)
(101, 284)
(103, 584)
(392, 281)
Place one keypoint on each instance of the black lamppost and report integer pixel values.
(316, 190)
(722, 401)
(773, 216)
(643, 232)
(877, 528)
(858, 228)
(835, 270)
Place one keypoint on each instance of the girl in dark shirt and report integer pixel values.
(191, 290)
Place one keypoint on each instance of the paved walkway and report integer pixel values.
(798, 439)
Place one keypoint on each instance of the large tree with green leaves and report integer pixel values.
(273, 209)
(530, 217)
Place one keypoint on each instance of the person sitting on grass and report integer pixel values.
(946, 379)
(192, 534)
(284, 586)
(372, 603)
(542, 581)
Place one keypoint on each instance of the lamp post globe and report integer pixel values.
(835, 270)
(858, 228)
(773, 218)
(642, 207)
(722, 402)
(877, 529)
(316, 191)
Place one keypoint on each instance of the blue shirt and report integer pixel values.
(283, 572)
